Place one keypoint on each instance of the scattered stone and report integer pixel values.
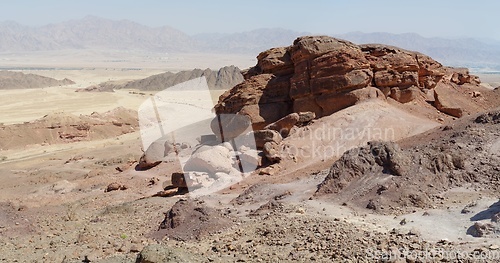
(467, 208)
(272, 151)
(115, 186)
(371, 205)
(158, 253)
(270, 170)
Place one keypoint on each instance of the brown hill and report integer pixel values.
(19, 80)
(223, 79)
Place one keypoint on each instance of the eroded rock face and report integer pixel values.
(322, 75)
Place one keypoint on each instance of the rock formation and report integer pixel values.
(323, 75)
(222, 79)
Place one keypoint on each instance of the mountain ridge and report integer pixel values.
(93, 32)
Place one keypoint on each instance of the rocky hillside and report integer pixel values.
(65, 128)
(394, 179)
(19, 80)
(323, 75)
(224, 78)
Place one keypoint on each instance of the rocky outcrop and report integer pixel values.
(222, 79)
(322, 75)
(461, 76)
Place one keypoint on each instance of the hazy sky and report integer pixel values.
(430, 18)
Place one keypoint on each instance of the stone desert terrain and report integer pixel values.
(361, 153)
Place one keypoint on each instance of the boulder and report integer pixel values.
(178, 180)
(275, 60)
(481, 229)
(229, 126)
(284, 124)
(250, 158)
(210, 159)
(272, 151)
(156, 153)
(445, 105)
(263, 136)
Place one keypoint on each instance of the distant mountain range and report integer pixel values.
(99, 33)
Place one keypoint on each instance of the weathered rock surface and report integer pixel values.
(323, 75)
(461, 76)
(444, 104)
